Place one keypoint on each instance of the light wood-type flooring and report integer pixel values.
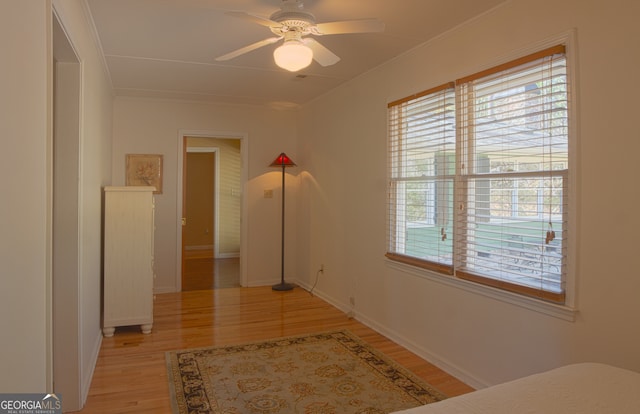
(131, 377)
(202, 271)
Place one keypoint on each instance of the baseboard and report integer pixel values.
(422, 352)
(336, 304)
(88, 377)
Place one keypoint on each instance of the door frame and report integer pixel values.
(244, 157)
(65, 248)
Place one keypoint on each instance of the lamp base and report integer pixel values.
(282, 287)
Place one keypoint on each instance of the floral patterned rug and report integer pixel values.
(331, 372)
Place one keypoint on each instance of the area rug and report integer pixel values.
(323, 373)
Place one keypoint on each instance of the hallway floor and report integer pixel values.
(203, 272)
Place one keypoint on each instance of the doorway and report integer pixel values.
(211, 213)
(66, 246)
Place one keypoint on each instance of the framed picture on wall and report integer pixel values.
(145, 170)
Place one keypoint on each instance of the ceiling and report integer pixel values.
(167, 48)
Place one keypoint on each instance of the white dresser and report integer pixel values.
(128, 258)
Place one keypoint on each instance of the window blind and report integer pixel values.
(512, 176)
(421, 179)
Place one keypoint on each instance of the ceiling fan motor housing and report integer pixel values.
(292, 16)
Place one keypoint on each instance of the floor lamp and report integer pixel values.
(282, 161)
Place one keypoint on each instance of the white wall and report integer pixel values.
(25, 131)
(482, 339)
(151, 126)
(25, 185)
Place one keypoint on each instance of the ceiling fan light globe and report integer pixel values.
(293, 56)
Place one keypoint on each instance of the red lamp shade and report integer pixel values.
(283, 161)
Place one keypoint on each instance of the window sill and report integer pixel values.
(558, 311)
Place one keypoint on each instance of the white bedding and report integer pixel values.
(587, 388)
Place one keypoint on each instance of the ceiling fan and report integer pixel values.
(292, 23)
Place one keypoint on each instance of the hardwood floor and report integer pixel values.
(202, 273)
(130, 375)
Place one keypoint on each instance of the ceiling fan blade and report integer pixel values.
(350, 26)
(321, 54)
(247, 49)
(252, 18)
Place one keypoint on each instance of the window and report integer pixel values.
(422, 175)
(478, 177)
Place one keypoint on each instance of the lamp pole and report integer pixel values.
(283, 161)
